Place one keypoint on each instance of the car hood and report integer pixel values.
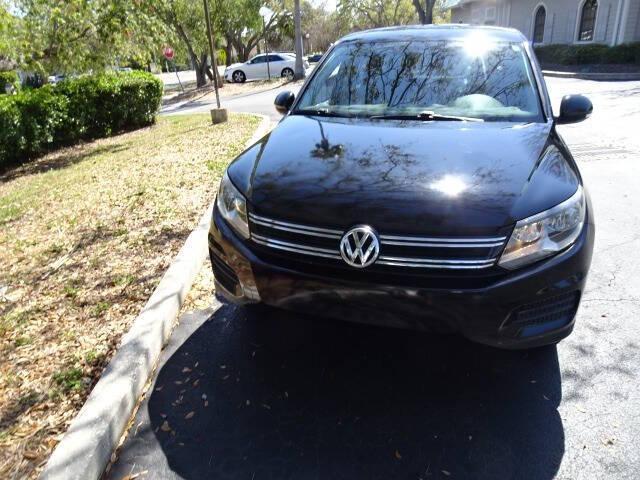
(440, 178)
(234, 65)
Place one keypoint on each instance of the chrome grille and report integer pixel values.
(396, 251)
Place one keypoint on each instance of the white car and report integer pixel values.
(280, 65)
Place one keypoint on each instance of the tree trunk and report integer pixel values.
(299, 69)
(425, 12)
(228, 50)
(201, 79)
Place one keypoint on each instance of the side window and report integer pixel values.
(275, 58)
(260, 59)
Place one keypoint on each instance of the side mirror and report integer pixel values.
(573, 109)
(283, 101)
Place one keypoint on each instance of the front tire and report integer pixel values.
(287, 73)
(238, 77)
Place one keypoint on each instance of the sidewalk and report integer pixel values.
(597, 76)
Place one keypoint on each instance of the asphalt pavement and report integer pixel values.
(258, 393)
(252, 102)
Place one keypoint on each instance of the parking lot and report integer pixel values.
(258, 393)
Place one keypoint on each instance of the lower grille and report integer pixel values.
(549, 310)
(323, 244)
(224, 274)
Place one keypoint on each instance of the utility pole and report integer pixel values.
(218, 115)
(266, 13)
(299, 70)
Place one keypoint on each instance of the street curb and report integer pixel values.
(94, 434)
(601, 76)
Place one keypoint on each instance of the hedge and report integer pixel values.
(595, 53)
(83, 108)
(9, 78)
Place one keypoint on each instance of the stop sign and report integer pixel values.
(168, 53)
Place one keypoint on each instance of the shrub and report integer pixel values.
(10, 129)
(100, 105)
(588, 54)
(30, 123)
(87, 107)
(43, 115)
(9, 78)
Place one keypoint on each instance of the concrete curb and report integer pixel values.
(86, 448)
(601, 76)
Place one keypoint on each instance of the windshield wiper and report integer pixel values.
(319, 112)
(426, 116)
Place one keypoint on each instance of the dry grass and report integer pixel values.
(85, 235)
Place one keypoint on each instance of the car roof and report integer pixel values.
(434, 32)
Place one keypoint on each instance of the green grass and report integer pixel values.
(69, 379)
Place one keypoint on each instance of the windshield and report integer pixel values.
(473, 78)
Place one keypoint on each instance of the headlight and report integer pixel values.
(233, 206)
(546, 233)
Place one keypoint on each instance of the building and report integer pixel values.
(610, 22)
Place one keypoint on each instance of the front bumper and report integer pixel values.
(526, 308)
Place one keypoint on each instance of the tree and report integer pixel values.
(7, 39)
(432, 11)
(425, 10)
(78, 35)
(299, 70)
(242, 27)
(184, 20)
(377, 13)
(323, 27)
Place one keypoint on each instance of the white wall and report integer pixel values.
(562, 18)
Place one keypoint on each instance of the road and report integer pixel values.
(254, 102)
(279, 395)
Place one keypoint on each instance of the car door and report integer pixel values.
(276, 64)
(253, 67)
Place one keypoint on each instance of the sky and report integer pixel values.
(329, 5)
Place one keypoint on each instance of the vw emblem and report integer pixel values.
(360, 247)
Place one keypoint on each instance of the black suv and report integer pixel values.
(417, 180)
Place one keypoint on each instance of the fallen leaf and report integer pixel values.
(206, 403)
(133, 476)
(165, 426)
(266, 406)
(159, 388)
(189, 415)
(545, 397)
(186, 370)
(195, 384)
(446, 473)
(29, 455)
(398, 456)
(178, 382)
